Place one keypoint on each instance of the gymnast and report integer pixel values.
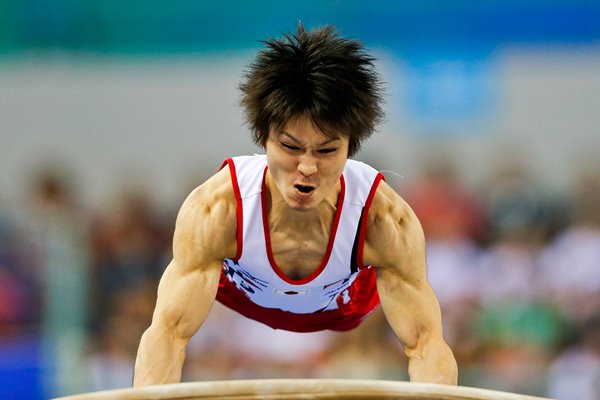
(302, 238)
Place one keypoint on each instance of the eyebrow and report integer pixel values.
(294, 139)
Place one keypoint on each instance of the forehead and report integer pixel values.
(304, 129)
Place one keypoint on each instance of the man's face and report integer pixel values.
(304, 164)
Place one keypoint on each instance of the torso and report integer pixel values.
(299, 239)
(299, 245)
(300, 263)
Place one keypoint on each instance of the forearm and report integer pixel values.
(160, 358)
(435, 364)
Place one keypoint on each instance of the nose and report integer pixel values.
(307, 165)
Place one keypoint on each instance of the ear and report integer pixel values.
(260, 138)
(264, 138)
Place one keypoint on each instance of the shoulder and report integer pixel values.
(218, 189)
(388, 207)
(207, 220)
(393, 229)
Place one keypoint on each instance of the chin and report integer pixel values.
(302, 206)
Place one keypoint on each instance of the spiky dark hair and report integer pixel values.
(315, 74)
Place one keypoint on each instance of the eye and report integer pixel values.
(327, 151)
(290, 146)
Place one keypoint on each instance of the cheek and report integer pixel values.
(281, 165)
(280, 168)
(334, 171)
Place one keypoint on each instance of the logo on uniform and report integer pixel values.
(283, 292)
(242, 279)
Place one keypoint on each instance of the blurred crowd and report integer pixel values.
(516, 270)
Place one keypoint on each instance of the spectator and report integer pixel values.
(129, 243)
(59, 235)
(575, 374)
(571, 263)
(444, 205)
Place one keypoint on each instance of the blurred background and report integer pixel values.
(111, 112)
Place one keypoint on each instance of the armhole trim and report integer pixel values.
(362, 234)
(239, 209)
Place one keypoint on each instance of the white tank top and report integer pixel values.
(254, 272)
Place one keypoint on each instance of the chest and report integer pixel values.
(299, 252)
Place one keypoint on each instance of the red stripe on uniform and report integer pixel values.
(238, 200)
(363, 222)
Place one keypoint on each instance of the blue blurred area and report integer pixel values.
(195, 26)
(20, 368)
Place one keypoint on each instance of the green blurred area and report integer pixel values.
(136, 26)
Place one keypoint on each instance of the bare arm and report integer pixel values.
(205, 234)
(395, 244)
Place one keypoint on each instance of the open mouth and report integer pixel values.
(304, 189)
